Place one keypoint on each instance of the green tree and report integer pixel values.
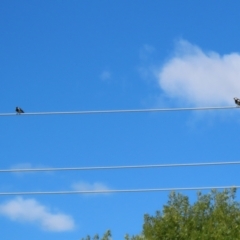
(107, 236)
(214, 216)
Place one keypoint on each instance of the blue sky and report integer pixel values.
(100, 55)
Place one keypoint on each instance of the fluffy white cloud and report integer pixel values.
(84, 186)
(29, 210)
(201, 78)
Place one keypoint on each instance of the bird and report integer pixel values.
(237, 101)
(19, 110)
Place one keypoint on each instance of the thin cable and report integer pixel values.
(116, 191)
(118, 167)
(120, 111)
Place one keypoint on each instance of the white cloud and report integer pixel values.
(201, 78)
(29, 210)
(105, 75)
(84, 186)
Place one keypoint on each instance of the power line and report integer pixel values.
(119, 167)
(120, 111)
(115, 191)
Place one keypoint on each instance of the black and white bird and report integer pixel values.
(19, 110)
(237, 101)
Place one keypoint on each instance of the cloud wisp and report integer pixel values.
(105, 76)
(31, 211)
(84, 186)
(200, 78)
(27, 166)
(146, 51)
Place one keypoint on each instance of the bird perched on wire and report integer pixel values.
(19, 110)
(237, 101)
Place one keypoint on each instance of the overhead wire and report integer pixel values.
(120, 111)
(117, 167)
(116, 191)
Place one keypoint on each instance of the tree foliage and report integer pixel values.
(214, 216)
(107, 236)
